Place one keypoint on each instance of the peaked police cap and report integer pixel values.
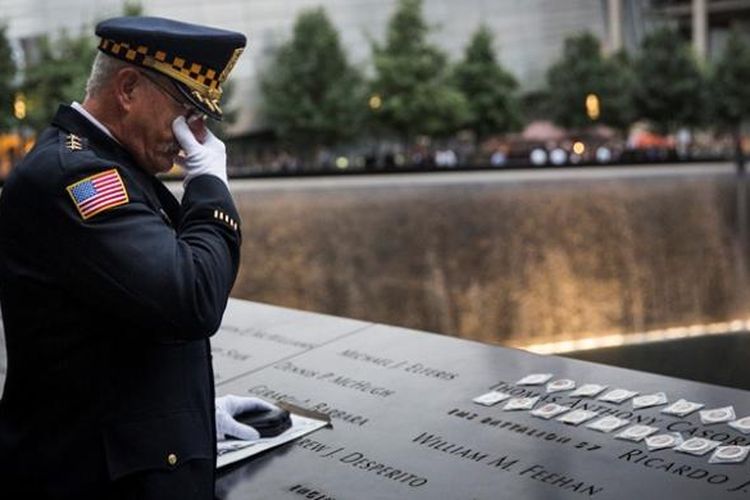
(197, 58)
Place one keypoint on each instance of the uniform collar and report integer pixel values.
(72, 121)
(77, 106)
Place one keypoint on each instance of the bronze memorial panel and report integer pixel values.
(405, 424)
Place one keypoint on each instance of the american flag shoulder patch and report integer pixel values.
(98, 193)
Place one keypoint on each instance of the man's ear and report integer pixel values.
(126, 87)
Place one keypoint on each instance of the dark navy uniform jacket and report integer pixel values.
(107, 318)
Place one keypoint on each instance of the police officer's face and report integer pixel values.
(152, 141)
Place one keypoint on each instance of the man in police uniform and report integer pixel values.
(110, 287)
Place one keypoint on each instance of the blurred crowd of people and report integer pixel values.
(540, 145)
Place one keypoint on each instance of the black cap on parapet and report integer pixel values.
(197, 58)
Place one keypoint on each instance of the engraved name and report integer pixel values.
(263, 335)
(505, 463)
(336, 379)
(693, 430)
(667, 466)
(438, 443)
(322, 407)
(310, 492)
(362, 462)
(540, 473)
(410, 367)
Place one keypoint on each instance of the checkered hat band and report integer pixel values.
(197, 73)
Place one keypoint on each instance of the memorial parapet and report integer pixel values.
(405, 424)
(254, 336)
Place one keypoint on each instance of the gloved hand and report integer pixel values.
(206, 157)
(228, 407)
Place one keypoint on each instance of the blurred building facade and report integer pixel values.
(529, 34)
(706, 22)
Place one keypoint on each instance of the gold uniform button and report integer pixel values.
(172, 459)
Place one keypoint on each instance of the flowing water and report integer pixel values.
(500, 257)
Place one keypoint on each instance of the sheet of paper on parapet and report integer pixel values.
(304, 422)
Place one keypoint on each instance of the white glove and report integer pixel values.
(208, 157)
(228, 407)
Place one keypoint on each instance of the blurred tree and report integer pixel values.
(312, 96)
(230, 113)
(412, 81)
(59, 74)
(7, 77)
(132, 8)
(730, 89)
(670, 88)
(489, 89)
(57, 77)
(535, 105)
(618, 110)
(586, 88)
